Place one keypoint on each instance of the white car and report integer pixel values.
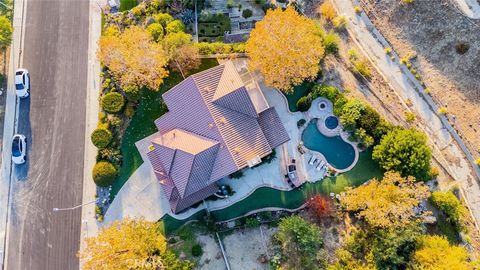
(22, 82)
(19, 148)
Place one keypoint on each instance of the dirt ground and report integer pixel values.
(212, 256)
(245, 247)
(430, 31)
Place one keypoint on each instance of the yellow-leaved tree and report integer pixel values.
(286, 48)
(129, 244)
(386, 203)
(134, 57)
(436, 253)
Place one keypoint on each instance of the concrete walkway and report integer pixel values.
(10, 122)
(471, 8)
(407, 87)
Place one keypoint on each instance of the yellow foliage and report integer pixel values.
(386, 203)
(134, 58)
(286, 48)
(326, 10)
(123, 244)
(437, 254)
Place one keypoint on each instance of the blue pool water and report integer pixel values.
(331, 122)
(337, 152)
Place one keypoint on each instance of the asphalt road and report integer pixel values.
(53, 118)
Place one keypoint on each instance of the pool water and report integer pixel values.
(331, 122)
(337, 152)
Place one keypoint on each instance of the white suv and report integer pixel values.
(22, 82)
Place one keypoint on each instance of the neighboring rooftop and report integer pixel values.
(215, 126)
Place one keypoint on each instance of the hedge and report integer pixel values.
(104, 173)
(113, 102)
(220, 48)
(101, 137)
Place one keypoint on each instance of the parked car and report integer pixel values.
(22, 83)
(19, 149)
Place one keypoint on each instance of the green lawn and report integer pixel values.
(142, 125)
(298, 92)
(365, 169)
(127, 4)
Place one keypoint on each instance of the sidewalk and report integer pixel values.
(471, 8)
(10, 123)
(89, 226)
(408, 88)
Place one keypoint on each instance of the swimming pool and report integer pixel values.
(331, 122)
(337, 152)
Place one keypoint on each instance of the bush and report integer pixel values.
(113, 102)
(301, 122)
(247, 13)
(101, 137)
(340, 23)
(448, 203)
(357, 9)
(363, 68)
(156, 30)
(132, 92)
(104, 173)
(331, 41)
(175, 27)
(252, 222)
(462, 47)
(197, 250)
(326, 10)
(236, 175)
(303, 104)
(163, 19)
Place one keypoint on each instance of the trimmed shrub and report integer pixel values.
(164, 19)
(101, 137)
(301, 122)
(113, 102)
(156, 30)
(175, 27)
(303, 104)
(104, 173)
(197, 250)
(132, 92)
(247, 13)
(236, 175)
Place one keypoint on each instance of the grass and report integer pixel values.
(263, 197)
(142, 125)
(127, 4)
(298, 92)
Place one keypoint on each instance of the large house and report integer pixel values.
(216, 125)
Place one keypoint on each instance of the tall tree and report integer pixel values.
(404, 151)
(129, 244)
(286, 48)
(388, 203)
(134, 58)
(436, 253)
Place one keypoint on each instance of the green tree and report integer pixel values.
(435, 253)
(130, 244)
(351, 112)
(156, 30)
(388, 203)
(6, 31)
(164, 19)
(175, 27)
(404, 151)
(451, 206)
(300, 243)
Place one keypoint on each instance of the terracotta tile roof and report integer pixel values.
(211, 130)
